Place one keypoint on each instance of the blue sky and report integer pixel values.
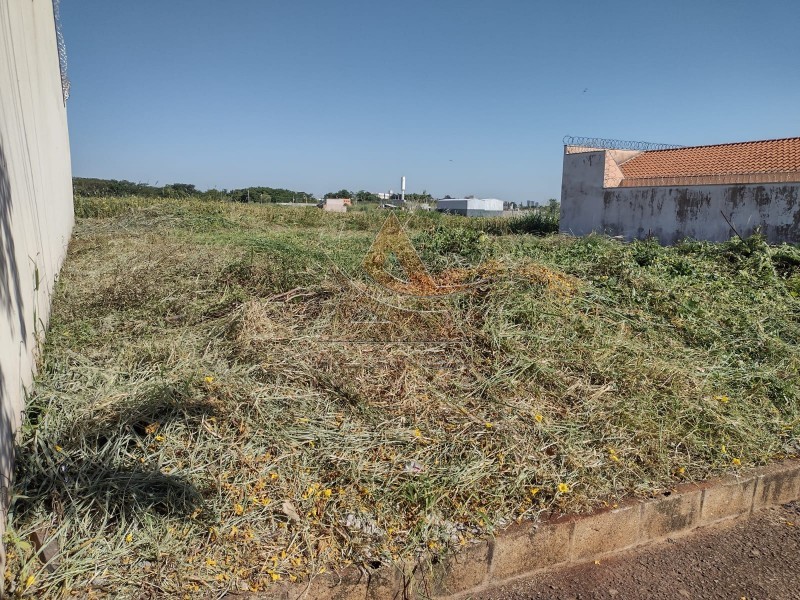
(460, 96)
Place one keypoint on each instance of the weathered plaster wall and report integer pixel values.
(581, 188)
(36, 213)
(673, 213)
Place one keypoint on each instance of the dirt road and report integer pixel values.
(756, 559)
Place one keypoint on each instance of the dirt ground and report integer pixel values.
(755, 559)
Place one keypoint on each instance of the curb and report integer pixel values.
(524, 549)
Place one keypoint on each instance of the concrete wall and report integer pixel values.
(471, 207)
(36, 212)
(335, 205)
(672, 213)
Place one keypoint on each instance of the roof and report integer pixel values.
(742, 158)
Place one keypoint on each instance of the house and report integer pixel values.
(471, 207)
(699, 192)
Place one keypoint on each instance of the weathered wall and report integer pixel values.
(36, 213)
(673, 213)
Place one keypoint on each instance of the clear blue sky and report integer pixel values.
(460, 96)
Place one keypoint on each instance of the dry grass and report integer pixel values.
(225, 401)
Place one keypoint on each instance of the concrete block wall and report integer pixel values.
(592, 202)
(525, 549)
(36, 210)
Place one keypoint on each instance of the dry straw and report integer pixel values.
(224, 401)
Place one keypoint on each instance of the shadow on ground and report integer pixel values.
(94, 464)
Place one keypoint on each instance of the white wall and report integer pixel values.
(36, 212)
(673, 213)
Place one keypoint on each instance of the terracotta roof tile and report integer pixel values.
(767, 156)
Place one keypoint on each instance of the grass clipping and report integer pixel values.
(209, 418)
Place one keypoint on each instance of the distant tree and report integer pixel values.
(252, 194)
(553, 206)
(448, 197)
(267, 194)
(340, 194)
(411, 197)
(87, 186)
(179, 190)
(214, 194)
(365, 196)
(83, 186)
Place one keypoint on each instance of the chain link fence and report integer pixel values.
(62, 50)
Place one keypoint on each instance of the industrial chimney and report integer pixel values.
(402, 190)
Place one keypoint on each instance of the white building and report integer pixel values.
(471, 207)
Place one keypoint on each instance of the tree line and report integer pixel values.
(88, 186)
(365, 196)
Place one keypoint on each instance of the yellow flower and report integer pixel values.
(159, 438)
(275, 576)
(723, 399)
(563, 488)
(417, 433)
(538, 418)
(736, 462)
(724, 450)
(273, 476)
(29, 581)
(681, 470)
(238, 509)
(209, 379)
(129, 538)
(488, 425)
(292, 578)
(328, 492)
(58, 448)
(210, 562)
(534, 491)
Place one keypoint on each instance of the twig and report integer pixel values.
(727, 220)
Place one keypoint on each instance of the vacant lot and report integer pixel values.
(225, 400)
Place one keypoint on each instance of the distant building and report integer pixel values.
(471, 207)
(335, 204)
(700, 192)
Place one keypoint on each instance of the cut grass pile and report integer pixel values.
(225, 401)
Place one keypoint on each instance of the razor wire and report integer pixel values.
(610, 144)
(62, 51)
